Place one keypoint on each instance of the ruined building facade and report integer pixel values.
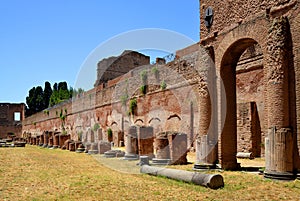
(237, 90)
(11, 116)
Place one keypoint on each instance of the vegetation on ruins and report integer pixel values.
(132, 106)
(144, 77)
(143, 89)
(46, 112)
(60, 93)
(63, 117)
(96, 127)
(155, 71)
(109, 133)
(163, 85)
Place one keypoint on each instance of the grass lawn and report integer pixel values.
(34, 173)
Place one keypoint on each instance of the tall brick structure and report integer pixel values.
(257, 40)
(113, 67)
(11, 117)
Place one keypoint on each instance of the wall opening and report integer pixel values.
(17, 116)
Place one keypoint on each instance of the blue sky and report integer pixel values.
(50, 40)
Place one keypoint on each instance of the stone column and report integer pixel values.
(55, 140)
(206, 141)
(279, 141)
(41, 140)
(131, 147)
(50, 139)
(45, 139)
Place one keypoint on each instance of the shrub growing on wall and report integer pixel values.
(109, 133)
(96, 127)
(163, 85)
(132, 106)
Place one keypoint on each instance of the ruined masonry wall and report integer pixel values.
(164, 110)
(229, 13)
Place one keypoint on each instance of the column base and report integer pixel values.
(157, 161)
(279, 175)
(80, 150)
(231, 166)
(92, 152)
(204, 166)
(131, 157)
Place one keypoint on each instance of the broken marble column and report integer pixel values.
(131, 146)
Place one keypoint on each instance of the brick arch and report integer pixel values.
(256, 30)
(227, 54)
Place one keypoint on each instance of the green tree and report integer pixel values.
(39, 99)
(35, 100)
(55, 87)
(61, 94)
(30, 109)
(47, 94)
(62, 86)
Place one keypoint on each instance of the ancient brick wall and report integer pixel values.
(294, 21)
(229, 13)
(113, 67)
(8, 123)
(239, 26)
(248, 129)
(166, 109)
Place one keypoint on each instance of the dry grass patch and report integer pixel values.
(34, 173)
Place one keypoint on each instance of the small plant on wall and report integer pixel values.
(143, 89)
(63, 117)
(144, 77)
(163, 85)
(96, 127)
(155, 71)
(64, 132)
(132, 106)
(46, 112)
(109, 134)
